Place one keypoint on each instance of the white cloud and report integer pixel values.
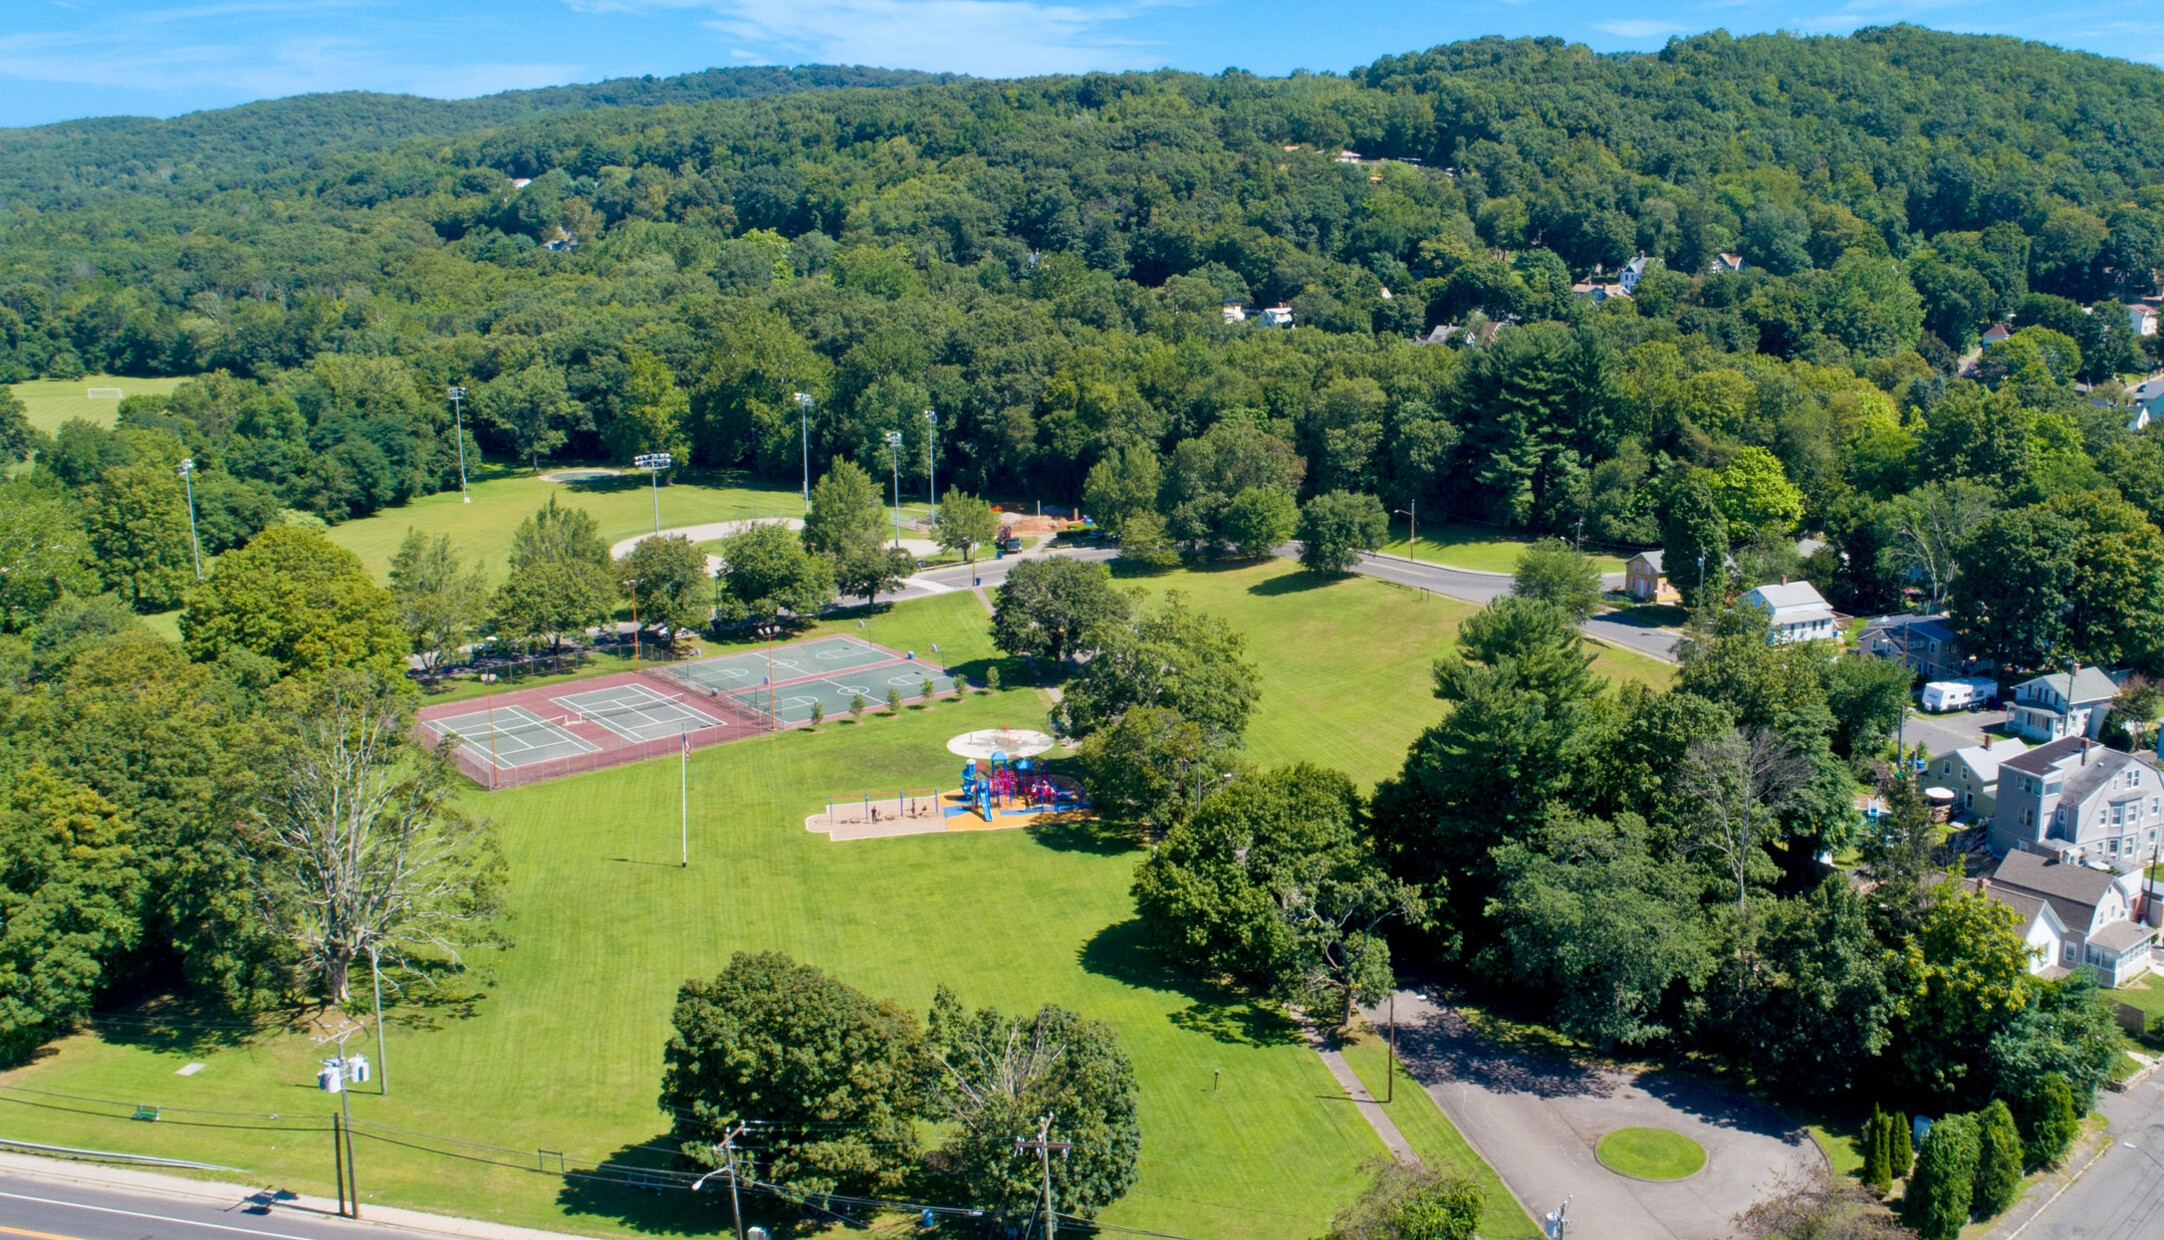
(1636, 29)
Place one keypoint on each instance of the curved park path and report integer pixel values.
(1535, 1118)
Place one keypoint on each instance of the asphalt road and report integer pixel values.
(47, 1210)
(1484, 588)
(2121, 1195)
(1945, 733)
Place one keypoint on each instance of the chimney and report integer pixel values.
(1987, 742)
(2085, 751)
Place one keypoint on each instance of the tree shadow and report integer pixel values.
(180, 1025)
(1121, 951)
(1296, 583)
(1720, 1108)
(1081, 834)
(1238, 1022)
(649, 1188)
(1444, 1046)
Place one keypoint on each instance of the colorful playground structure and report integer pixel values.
(996, 792)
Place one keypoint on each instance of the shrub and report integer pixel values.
(1998, 1161)
(2048, 1121)
(1939, 1194)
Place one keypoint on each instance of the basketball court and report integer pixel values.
(636, 712)
(510, 737)
(827, 673)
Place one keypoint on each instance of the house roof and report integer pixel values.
(2072, 890)
(2040, 760)
(1935, 627)
(2026, 905)
(1652, 558)
(2087, 685)
(1986, 762)
(2120, 935)
(2084, 780)
(1788, 594)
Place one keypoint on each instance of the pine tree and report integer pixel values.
(1903, 1149)
(1936, 1202)
(1998, 1161)
(2048, 1122)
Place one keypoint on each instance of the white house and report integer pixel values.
(1235, 314)
(1633, 271)
(2147, 399)
(2141, 316)
(1725, 263)
(1973, 773)
(2047, 708)
(1797, 611)
(1275, 316)
(2091, 917)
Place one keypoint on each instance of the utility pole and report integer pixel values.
(458, 394)
(804, 404)
(894, 450)
(653, 463)
(727, 1150)
(187, 476)
(631, 585)
(383, 1060)
(1044, 1147)
(1390, 1055)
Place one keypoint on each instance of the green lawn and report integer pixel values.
(563, 1052)
(50, 402)
(1487, 548)
(1651, 1153)
(1438, 1141)
(624, 506)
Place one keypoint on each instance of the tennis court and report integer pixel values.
(636, 712)
(820, 657)
(510, 737)
(792, 702)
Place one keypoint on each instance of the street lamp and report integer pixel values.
(931, 456)
(187, 477)
(458, 394)
(1412, 514)
(894, 450)
(653, 463)
(804, 405)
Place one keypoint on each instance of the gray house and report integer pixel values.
(2076, 799)
(2062, 704)
(1926, 643)
(2073, 917)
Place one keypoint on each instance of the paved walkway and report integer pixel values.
(1349, 1081)
(1536, 1118)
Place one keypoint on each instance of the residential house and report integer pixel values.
(1275, 316)
(2063, 704)
(1235, 314)
(1798, 612)
(1643, 581)
(1972, 774)
(1926, 643)
(1726, 264)
(1348, 157)
(1998, 332)
(1600, 293)
(2141, 316)
(1632, 272)
(2076, 917)
(2147, 399)
(2075, 798)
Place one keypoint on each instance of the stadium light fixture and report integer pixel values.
(457, 394)
(804, 407)
(894, 450)
(653, 463)
(187, 477)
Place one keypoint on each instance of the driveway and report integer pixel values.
(1960, 729)
(1535, 1118)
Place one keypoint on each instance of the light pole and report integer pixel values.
(931, 457)
(894, 450)
(653, 463)
(631, 587)
(187, 477)
(804, 404)
(458, 394)
(1412, 514)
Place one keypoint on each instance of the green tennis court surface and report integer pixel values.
(511, 736)
(792, 702)
(636, 712)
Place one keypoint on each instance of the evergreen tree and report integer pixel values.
(1937, 1200)
(1998, 1161)
(2049, 1123)
(1878, 1151)
(1903, 1151)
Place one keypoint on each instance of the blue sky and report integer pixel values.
(61, 59)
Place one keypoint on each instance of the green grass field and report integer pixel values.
(1486, 548)
(623, 506)
(50, 402)
(1651, 1153)
(1438, 1141)
(563, 1052)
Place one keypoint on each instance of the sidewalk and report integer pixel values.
(1349, 1081)
(258, 1202)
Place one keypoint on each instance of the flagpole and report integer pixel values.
(683, 803)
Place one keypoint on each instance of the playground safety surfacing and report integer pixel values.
(927, 813)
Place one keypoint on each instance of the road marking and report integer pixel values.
(184, 1222)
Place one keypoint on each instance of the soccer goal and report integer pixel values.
(104, 394)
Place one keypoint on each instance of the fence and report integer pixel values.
(601, 746)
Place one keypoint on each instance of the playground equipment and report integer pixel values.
(1003, 783)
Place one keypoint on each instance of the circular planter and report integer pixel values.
(1654, 1154)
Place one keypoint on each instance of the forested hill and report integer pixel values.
(1048, 263)
(44, 162)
